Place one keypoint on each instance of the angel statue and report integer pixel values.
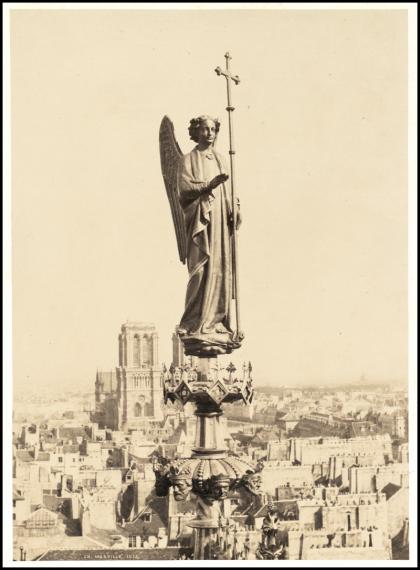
(202, 212)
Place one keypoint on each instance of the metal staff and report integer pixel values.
(230, 109)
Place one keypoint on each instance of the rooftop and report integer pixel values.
(282, 508)
(24, 455)
(158, 508)
(138, 325)
(43, 456)
(390, 489)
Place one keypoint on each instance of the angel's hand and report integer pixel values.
(217, 180)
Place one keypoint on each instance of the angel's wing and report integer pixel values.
(170, 155)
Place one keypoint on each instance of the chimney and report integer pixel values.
(125, 457)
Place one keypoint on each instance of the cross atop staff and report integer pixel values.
(230, 108)
(229, 78)
(226, 73)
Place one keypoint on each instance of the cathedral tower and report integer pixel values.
(139, 375)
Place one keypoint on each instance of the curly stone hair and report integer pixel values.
(196, 123)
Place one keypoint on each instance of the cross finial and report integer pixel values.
(226, 73)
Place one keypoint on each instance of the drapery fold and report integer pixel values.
(207, 220)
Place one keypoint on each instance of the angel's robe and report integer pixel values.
(207, 221)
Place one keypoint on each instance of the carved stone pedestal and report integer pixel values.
(210, 473)
(210, 345)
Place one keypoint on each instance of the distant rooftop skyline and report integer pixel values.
(82, 390)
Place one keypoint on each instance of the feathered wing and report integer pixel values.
(170, 156)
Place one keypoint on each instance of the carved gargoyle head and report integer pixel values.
(252, 481)
(182, 487)
(219, 487)
(181, 480)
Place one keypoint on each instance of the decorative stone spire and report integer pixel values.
(210, 473)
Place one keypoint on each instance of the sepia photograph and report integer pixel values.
(209, 335)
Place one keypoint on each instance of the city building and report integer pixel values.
(131, 396)
(334, 483)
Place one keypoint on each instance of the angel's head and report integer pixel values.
(204, 129)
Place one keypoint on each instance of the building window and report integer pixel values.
(60, 460)
(132, 541)
(147, 350)
(14, 516)
(136, 351)
(147, 517)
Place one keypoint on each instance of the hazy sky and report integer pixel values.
(321, 126)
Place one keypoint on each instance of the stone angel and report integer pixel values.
(202, 213)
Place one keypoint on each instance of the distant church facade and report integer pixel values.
(131, 395)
